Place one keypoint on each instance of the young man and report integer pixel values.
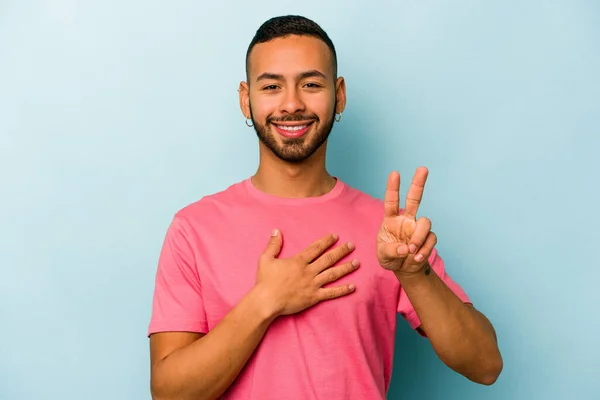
(286, 285)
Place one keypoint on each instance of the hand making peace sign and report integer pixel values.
(405, 243)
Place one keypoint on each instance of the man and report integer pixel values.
(310, 313)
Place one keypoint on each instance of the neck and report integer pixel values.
(282, 179)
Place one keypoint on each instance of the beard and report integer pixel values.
(294, 150)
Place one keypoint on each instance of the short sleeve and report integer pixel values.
(405, 307)
(177, 303)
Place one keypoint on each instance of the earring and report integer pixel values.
(247, 124)
(338, 117)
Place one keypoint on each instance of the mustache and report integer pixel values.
(293, 118)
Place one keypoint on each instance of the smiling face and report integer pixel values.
(292, 95)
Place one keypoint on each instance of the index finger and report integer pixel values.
(317, 248)
(391, 200)
(415, 192)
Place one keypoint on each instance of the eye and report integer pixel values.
(312, 85)
(270, 87)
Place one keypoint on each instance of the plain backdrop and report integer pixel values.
(116, 114)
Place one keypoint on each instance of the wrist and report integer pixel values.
(423, 272)
(266, 308)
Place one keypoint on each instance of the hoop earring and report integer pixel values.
(338, 119)
(247, 124)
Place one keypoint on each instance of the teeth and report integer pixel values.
(292, 128)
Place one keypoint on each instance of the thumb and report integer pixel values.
(392, 251)
(274, 245)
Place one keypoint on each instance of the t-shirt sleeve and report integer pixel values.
(405, 307)
(177, 304)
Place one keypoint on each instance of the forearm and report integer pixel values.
(462, 337)
(207, 367)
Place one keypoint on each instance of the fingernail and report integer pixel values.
(275, 232)
(412, 248)
(350, 245)
(401, 250)
(335, 237)
(419, 257)
(351, 287)
(355, 263)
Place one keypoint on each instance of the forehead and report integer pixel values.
(291, 55)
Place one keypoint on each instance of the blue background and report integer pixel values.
(115, 114)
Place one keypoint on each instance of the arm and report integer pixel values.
(189, 365)
(194, 366)
(461, 336)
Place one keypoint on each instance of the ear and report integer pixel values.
(244, 94)
(340, 95)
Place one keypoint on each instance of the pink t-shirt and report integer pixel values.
(337, 350)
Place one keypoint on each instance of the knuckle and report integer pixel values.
(329, 258)
(331, 275)
(317, 297)
(346, 269)
(412, 200)
(298, 264)
(342, 251)
(318, 247)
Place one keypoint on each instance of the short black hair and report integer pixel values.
(287, 25)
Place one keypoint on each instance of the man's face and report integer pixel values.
(291, 95)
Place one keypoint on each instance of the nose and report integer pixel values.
(292, 102)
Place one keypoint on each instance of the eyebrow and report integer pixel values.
(303, 75)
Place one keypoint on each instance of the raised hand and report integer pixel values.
(294, 284)
(404, 242)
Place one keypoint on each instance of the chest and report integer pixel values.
(229, 260)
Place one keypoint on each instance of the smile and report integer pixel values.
(292, 131)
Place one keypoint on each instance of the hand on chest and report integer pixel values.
(233, 269)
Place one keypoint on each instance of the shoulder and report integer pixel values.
(361, 201)
(212, 204)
